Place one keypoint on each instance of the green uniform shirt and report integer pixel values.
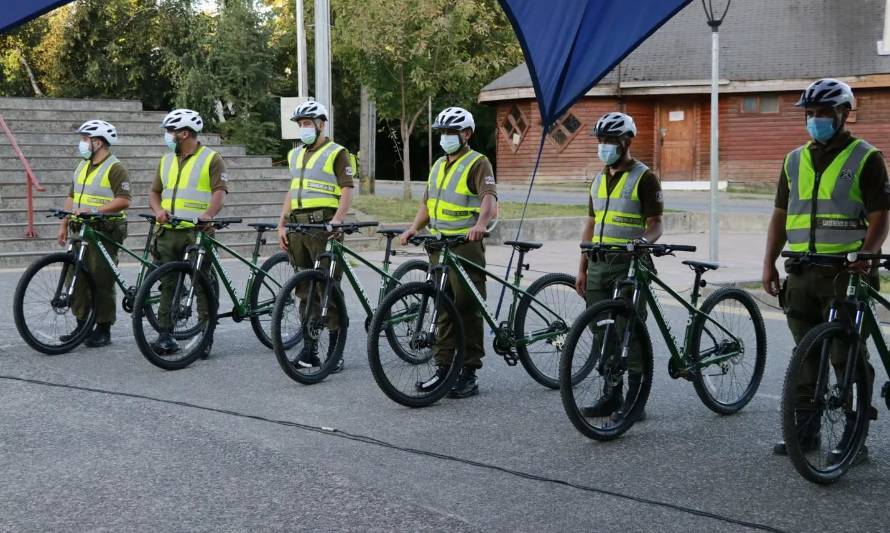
(218, 179)
(118, 178)
(649, 191)
(873, 181)
(481, 180)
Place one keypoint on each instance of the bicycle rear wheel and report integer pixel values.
(541, 357)
(824, 429)
(727, 385)
(42, 309)
(306, 348)
(414, 271)
(266, 284)
(591, 370)
(190, 311)
(405, 319)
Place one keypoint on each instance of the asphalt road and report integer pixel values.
(100, 440)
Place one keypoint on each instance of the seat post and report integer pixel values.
(388, 252)
(517, 276)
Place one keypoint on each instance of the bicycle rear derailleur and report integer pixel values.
(129, 298)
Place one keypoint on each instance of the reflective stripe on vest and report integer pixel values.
(619, 215)
(187, 190)
(313, 182)
(453, 208)
(835, 220)
(93, 189)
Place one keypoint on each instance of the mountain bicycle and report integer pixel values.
(305, 347)
(533, 332)
(723, 352)
(45, 292)
(826, 397)
(194, 296)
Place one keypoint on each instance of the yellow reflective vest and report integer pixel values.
(313, 181)
(93, 189)
(453, 208)
(187, 191)
(619, 215)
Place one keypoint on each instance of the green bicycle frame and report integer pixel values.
(452, 260)
(89, 236)
(340, 252)
(642, 278)
(207, 246)
(865, 296)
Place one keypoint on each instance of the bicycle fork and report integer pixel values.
(65, 300)
(427, 338)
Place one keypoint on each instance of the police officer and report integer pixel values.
(100, 184)
(460, 199)
(854, 218)
(191, 182)
(321, 192)
(624, 205)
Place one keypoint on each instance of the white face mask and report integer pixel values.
(308, 135)
(450, 143)
(85, 148)
(170, 140)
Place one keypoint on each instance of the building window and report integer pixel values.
(768, 103)
(564, 130)
(514, 127)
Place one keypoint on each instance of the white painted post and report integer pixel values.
(323, 60)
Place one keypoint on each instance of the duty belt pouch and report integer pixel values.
(793, 266)
(782, 301)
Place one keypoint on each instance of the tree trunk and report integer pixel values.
(406, 160)
(31, 78)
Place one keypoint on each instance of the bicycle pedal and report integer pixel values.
(511, 359)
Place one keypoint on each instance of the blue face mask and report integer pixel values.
(170, 140)
(308, 135)
(609, 153)
(449, 143)
(821, 129)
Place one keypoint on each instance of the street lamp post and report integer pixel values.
(714, 22)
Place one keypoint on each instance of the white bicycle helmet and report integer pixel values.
(827, 92)
(454, 118)
(310, 109)
(615, 125)
(99, 128)
(183, 118)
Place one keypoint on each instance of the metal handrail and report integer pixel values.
(32, 181)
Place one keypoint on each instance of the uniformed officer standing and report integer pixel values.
(849, 214)
(100, 184)
(460, 199)
(625, 205)
(191, 182)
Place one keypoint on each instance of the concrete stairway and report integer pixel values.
(44, 129)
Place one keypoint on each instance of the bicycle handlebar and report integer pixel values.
(635, 248)
(439, 240)
(216, 223)
(61, 213)
(345, 227)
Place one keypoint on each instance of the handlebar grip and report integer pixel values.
(681, 247)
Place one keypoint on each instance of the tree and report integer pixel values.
(408, 51)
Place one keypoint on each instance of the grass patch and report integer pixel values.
(398, 210)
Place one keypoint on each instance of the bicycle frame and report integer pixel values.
(88, 235)
(449, 260)
(337, 253)
(641, 278)
(207, 246)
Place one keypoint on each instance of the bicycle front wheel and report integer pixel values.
(602, 393)
(408, 319)
(185, 306)
(823, 422)
(729, 366)
(547, 327)
(42, 308)
(266, 284)
(306, 347)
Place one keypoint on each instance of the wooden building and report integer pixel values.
(770, 51)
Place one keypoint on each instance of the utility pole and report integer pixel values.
(714, 223)
(323, 60)
(368, 141)
(302, 63)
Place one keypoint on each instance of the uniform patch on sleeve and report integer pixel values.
(489, 180)
(224, 177)
(659, 197)
(349, 171)
(887, 187)
(125, 186)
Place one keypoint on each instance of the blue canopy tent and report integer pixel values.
(17, 12)
(570, 45)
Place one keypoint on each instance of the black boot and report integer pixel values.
(165, 345)
(101, 336)
(68, 336)
(332, 343)
(308, 357)
(634, 383)
(809, 425)
(433, 381)
(466, 385)
(607, 404)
